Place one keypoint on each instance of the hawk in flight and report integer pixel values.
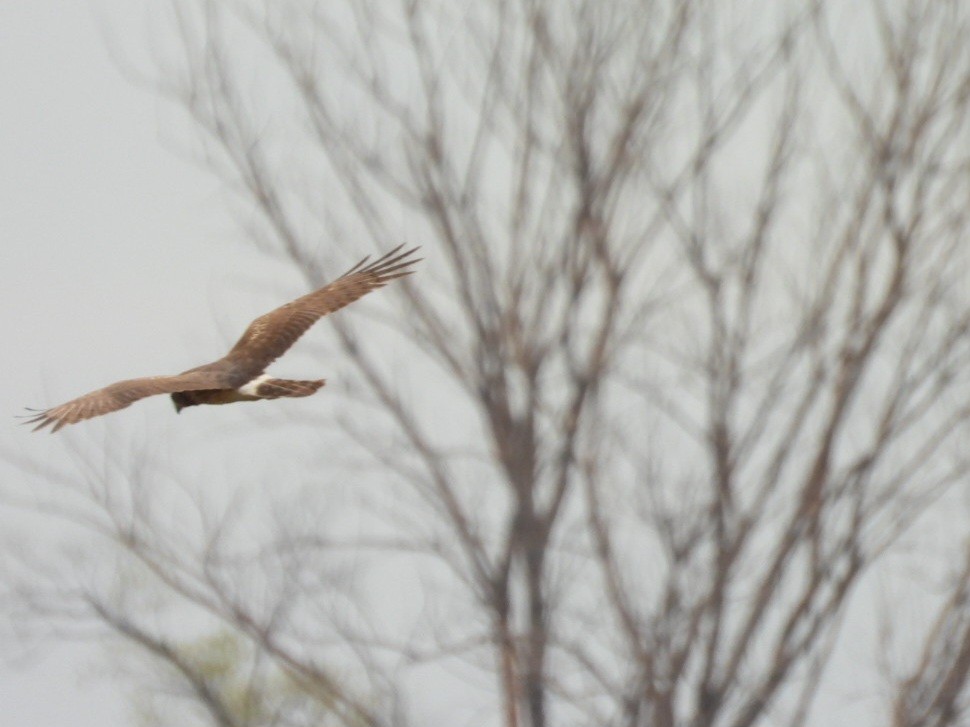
(240, 374)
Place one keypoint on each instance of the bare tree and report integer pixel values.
(934, 690)
(688, 356)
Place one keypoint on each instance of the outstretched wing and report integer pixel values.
(119, 395)
(269, 336)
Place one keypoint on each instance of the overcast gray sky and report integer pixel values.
(117, 260)
(95, 208)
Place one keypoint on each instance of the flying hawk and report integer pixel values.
(240, 374)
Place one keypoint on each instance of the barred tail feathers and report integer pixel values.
(276, 388)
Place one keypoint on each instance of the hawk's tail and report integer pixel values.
(276, 388)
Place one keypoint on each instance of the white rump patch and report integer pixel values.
(249, 388)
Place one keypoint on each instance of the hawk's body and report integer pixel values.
(262, 387)
(239, 375)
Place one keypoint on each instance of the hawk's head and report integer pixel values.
(182, 400)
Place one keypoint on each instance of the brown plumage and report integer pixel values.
(239, 375)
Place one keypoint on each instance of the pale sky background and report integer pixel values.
(117, 256)
(113, 256)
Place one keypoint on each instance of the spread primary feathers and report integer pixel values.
(239, 375)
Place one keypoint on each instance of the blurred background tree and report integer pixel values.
(685, 362)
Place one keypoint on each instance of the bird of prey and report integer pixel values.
(240, 374)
